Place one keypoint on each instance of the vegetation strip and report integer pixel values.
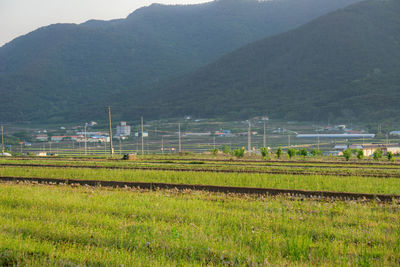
(216, 160)
(386, 175)
(209, 188)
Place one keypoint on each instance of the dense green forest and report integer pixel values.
(343, 65)
(69, 72)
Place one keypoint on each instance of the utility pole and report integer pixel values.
(85, 139)
(2, 140)
(110, 129)
(214, 141)
(288, 140)
(249, 138)
(162, 145)
(141, 124)
(318, 143)
(264, 138)
(120, 147)
(179, 136)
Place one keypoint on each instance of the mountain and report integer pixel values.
(69, 72)
(343, 65)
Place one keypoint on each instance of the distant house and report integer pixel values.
(145, 134)
(394, 133)
(369, 149)
(123, 130)
(41, 137)
(57, 138)
(197, 134)
(340, 147)
(98, 138)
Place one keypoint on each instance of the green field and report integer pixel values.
(49, 225)
(313, 182)
(93, 226)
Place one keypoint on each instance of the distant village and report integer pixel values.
(327, 136)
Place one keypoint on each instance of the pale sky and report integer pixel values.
(18, 17)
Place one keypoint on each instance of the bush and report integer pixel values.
(239, 152)
(360, 154)
(378, 154)
(264, 151)
(390, 156)
(279, 152)
(215, 151)
(226, 149)
(316, 152)
(347, 154)
(303, 152)
(291, 152)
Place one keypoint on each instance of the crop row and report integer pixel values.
(197, 167)
(312, 182)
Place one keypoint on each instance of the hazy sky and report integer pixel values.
(18, 17)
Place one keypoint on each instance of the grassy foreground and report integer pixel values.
(65, 226)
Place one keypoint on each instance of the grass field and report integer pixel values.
(313, 182)
(93, 226)
(49, 225)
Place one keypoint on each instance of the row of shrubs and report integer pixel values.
(292, 152)
(377, 155)
(240, 152)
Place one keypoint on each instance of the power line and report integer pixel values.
(2, 140)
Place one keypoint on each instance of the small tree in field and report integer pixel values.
(264, 151)
(390, 156)
(316, 152)
(291, 152)
(226, 149)
(215, 151)
(377, 154)
(303, 152)
(360, 154)
(347, 154)
(239, 152)
(279, 152)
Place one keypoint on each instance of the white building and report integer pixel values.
(123, 129)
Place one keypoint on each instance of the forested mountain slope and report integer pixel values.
(345, 64)
(70, 72)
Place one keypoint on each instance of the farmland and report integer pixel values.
(44, 224)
